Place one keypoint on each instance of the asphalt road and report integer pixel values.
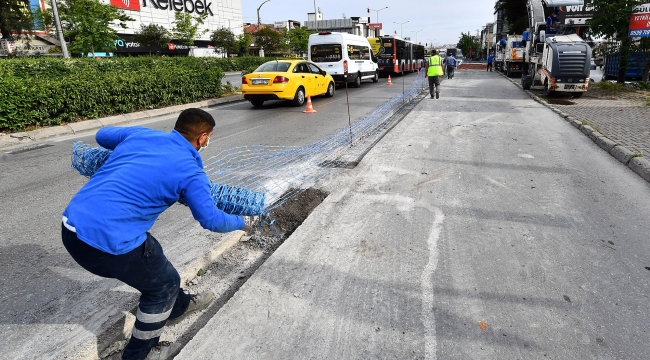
(52, 308)
(483, 226)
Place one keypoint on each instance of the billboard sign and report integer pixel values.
(576, 14)
(127, 4)
(640, 22)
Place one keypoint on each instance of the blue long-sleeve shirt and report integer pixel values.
(147, 172)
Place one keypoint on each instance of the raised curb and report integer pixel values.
(636, 163)
(93, 124)
(641, 166)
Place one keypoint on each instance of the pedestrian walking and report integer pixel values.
(434, 72)
(106, 224)
(450, 64)
(490, 60)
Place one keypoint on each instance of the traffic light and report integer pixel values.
(368, 10)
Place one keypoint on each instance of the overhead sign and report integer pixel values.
(377, 26)
(640, 22)
(576, 14)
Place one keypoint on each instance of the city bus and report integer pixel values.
(397, 56)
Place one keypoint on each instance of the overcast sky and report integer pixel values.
(450, 19)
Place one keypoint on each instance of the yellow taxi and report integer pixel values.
(286, 79)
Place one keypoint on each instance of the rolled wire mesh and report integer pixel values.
(255, 179)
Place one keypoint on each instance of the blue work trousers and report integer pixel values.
(146, 269)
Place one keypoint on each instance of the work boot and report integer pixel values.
(164, 350)
(197, 302)
(437, 95)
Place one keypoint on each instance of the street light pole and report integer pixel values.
(400, 27)
(315, 17)
(258, 14)
(416, 35)
(57, 21)
(377, 11)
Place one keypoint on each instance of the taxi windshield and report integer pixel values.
(274, 66)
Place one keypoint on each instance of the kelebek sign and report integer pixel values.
(188, 6)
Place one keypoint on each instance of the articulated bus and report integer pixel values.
(397, 56)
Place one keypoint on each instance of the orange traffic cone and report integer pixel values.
(389, 82)
(309, 109)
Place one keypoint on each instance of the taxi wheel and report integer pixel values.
(547, 91)
(376, 78)
(330, 90)
(299, 99)
(257, 103)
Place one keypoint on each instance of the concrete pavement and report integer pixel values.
(483, 226)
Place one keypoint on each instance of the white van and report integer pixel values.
(348, 58)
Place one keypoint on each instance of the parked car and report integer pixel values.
(292, 80)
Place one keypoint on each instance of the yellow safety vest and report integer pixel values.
(435, 66)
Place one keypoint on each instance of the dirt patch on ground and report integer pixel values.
(284, 220)
(464, 66)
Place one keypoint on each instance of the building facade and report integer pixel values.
(218, 14)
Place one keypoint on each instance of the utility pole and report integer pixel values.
(400, 27)
(57, 21)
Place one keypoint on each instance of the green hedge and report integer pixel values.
(51, 91)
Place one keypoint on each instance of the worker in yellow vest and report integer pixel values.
(434, 72)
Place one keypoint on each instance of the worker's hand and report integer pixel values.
(249, 221)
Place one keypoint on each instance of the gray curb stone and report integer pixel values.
(586, 129)
(605, 143)
(45, 133)
(113, 120)
(641, 166)
(622, 154)
(6, 140)
(85, 125)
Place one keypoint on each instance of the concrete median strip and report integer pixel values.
(636, 162)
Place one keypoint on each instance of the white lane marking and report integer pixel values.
(239, 133)
(525, 156)
(428, 317)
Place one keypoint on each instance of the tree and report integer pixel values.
(466, 42)
(15, 18)
(642, 48)
(298, 39)
(224, 39)
(151, 35)
(244, 41)
(88, 25)
(186, 30)
(269, 40)
(613, 22)
(515, 12)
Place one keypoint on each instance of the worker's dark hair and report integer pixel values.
(193, 122)
(434, 51)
